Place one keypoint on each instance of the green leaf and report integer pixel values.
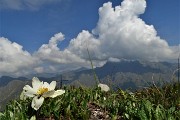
(160, 113)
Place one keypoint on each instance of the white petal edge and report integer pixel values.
(57, 93)
(33, 118)
(29, 91)
(22, 96)
(52, 85)
(48, 94)
(104, 87)
(46, 85)
(36, 83)
(37, 102)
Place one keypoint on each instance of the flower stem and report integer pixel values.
(94, 73)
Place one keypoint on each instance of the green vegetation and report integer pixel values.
(153, 103)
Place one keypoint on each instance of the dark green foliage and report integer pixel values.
(154, 103)
(167, 95)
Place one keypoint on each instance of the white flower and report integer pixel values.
(33, 118)
(22, 96)
(104, 87)
(41, 90)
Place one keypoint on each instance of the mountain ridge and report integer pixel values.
(123, 74)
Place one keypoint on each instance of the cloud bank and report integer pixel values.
(119, 34)
(13, 59)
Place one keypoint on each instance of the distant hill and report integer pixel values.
(125, 67)
(116, 71)
(4, 80)
(124, 74)
(11, 91)
(128, 74)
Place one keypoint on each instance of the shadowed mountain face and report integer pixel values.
(125, 67)
(128, 74)
(123, 74)
(11, 91)
(109, 69)
(135, 67)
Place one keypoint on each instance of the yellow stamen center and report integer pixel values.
(42, 90)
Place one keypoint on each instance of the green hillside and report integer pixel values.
(152, 103)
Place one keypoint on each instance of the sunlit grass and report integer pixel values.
(156, 103)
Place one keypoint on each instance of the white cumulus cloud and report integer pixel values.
(53, 59)
(51, 53)
(13, 59)
(119, 34)
(123, 34)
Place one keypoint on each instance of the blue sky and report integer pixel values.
(38, 36)
(32, 28)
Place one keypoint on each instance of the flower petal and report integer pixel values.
(33, 118)
(57, 93)
(37, 102)
(22, 96)
(36, 83)
(52, 85)
(48, 94)
(29, 91)
(46, 85)
(104, 87)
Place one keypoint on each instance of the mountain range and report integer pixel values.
(125, 74)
